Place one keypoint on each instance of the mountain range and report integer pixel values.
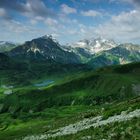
(94, 52)
(100, 52)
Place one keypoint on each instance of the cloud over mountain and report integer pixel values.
(70, 20)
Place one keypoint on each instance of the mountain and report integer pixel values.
(101, 52)
(103, 59)
(92, 46)
(126, 53)
(6, 46)
(87, 48)
(121, 54)
(44, 48)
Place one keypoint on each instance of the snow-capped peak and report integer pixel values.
(95, 45)
(47, 36)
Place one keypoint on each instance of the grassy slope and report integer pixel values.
(49, 119)
(31, 111)
(110, 84)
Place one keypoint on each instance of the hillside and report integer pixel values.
(5, 59)
(86, 89)
(81, 94)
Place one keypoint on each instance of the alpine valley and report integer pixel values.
(86, 90)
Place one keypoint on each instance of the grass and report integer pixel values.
(106, 91)
(53, 118)
(87, 90)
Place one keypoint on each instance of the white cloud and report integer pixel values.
(28, 8)
(33, 21)
(33, 8)
(17, 27)
(123, 27)
(4, 14)
(51, 22)
(91, 13)
(68, 10)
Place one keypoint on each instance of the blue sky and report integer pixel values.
(70, 20)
